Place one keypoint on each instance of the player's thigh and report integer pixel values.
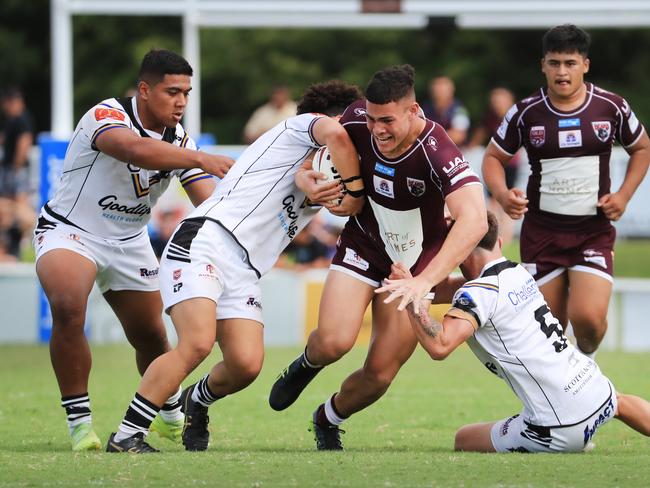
(589, 296)
(342, 306)
(241, 341)
(67, 279)
(195, 321)
(556, 294)
(140, 313)
(392, 340)
(475, 437)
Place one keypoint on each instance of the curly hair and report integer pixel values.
(391, 84)
(329, 98)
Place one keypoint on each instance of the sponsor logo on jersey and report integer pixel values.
(432, 142)
(74, 237)
(148, 273)
(416, 187)
(602, 129)
(580, 379)
(503, 129)
(383, 187)
(564, 123)
(633, 122)
(521, 295)
(464, 301)
(605, 415)
(570, 138)
(111, 203)
(537, 135)
(108, 113)
(455, 166)
(360, 111)
(177, 274)
(177, 287)
(252, 302)
(289, 216)
(353, 259)
(384, 170)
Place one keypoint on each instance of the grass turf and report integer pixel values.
(405, 440)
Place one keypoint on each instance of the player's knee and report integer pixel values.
(194, 352)
(334, 348)
(151, 340)
(381, 377)
(68, 312)
(245, 368)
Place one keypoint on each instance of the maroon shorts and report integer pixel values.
(546, 253)
(359, 256)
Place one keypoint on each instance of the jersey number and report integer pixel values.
(541, 314)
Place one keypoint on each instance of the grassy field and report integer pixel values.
(403, 441)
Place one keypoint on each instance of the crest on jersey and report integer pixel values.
(177, 274)
(359, 111)
(602, 129)
(537, 135)
(432, 142)
(416, 187)
(108, 113)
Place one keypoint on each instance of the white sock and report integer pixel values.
(331, 414)
(171, 410)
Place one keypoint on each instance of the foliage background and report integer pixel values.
(239, 66)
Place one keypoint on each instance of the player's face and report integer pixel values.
(167, 99)
(391, 124)
(565, 73)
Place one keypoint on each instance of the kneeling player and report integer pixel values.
(506, 322)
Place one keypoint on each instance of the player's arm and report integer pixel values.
(439, 339)
(328, 132)
(614, 204)
(513, 201)
(200, 190)
(145, 152)
(319, 193)
(467, 208)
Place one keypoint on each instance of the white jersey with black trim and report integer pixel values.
(518, 339)
(102, 195)
(258, 202)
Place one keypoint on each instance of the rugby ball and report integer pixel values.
(322, 163)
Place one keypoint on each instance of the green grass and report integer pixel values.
(631, 257)
(405, 440)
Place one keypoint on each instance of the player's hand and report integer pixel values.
(613, 205)
(349, 206)
(311, 183)
(216, 164)
(412, 290)
(513, 202)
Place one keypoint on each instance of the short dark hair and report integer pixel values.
(492, 235)
(329, 98)
(566, 38)
(159, 62)
(11, 93)
(391, 84)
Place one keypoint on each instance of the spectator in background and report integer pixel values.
(280, 107)
(163, 223)
(313, 247)
(500, 101)
(17, 221)
(17, 141)
(446, 110)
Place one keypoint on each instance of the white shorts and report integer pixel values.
(121, 265)
(203, 260)
(513, 434)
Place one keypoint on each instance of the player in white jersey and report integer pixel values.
(503, 317)
(211, 266)
(120, 159)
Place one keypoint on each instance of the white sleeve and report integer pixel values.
(302, 127)
(475, 302)
(101, 118)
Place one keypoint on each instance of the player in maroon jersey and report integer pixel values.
(568, 129)
(410, 169)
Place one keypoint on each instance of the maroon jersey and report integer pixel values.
(405, 196)
(569, 154)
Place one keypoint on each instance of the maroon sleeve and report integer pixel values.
(450, 170)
